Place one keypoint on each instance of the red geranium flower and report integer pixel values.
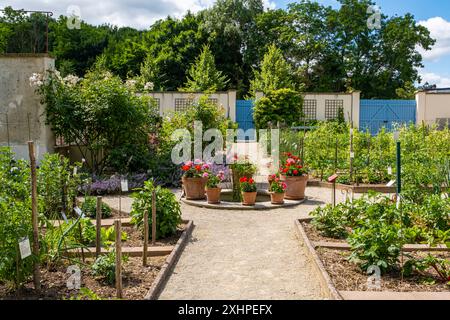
(243, 179)
(186, 168)
(295, 172)
(251, 181)
(198, 168)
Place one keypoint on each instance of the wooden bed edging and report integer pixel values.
(129, 251)
(326, 284)
(331, 291)
(169, 264)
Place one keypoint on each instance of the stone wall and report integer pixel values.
(21, 113)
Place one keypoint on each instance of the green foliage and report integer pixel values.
(408, 92)
(283, 106)
(168, 211)
(89, 208)
(102, 114)
(320, 44)
(440, 266)
(15, 217)
(203, 111)
(275, 74)
(203, 74)
(108, 236)
(57, 185)
(105, 267)
(86, 294)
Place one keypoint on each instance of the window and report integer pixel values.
(332, 108)
(182, 104)
(310, 110)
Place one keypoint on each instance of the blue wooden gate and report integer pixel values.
(378, 114)
(244, 118)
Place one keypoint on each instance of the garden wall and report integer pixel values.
(433, 107)
(179, 101)
(21, 113)
(324, 106)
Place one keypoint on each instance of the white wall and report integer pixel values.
(225, 100)
(432, 106)
(349, 101)
(22, 106)
(319, 101)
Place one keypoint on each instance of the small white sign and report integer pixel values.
(124, 185)
(75, 171)
(352, 155)
(391, 183)
(389, 170)
(79, 212)
(25, 248)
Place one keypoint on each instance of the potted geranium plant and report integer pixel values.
(194, 181)
(295, 175)
(277, 191)
(249, 191)
(212, 186)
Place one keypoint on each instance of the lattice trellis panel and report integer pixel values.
(182, 104)
(332, 108)
(309, 109)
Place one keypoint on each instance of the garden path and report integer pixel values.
(244, 254)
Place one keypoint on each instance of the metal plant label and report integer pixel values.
(25, 248)
(124, 185)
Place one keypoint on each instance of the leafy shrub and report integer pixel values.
(89, 208)
(99, 113)
(283, 106)
(168, 211)
(105, 267)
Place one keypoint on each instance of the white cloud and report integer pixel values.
(433, 78)
(440, 30)
(134, 13)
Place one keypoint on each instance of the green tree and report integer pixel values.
(203, 74)
(282, 106)
(275, 73)
(408, 92)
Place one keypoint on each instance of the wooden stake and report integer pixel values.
(154, 218)
(118, 230)
(98, 237)
(34, 216)
(144, 254)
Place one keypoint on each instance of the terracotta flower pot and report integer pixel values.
(249, 198)
(213, 195)
(277, 198)
(194, 188)
(296, 187)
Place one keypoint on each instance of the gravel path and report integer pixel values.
(249, 255)
(246, 255)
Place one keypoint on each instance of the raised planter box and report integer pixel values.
(361, 188)
(329, 289)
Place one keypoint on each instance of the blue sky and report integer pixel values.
(435, 14)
